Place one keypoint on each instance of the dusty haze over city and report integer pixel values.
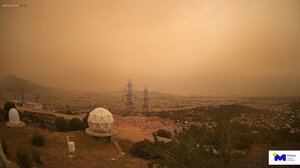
(200, 47)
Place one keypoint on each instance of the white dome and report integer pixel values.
(101, 120)
(13, 116)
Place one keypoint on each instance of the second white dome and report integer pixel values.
(101, 120)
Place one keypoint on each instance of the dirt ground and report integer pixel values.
(89, 153)
(133, 134)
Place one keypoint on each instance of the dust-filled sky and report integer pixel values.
(203, 47)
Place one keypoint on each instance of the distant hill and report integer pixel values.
(13, 83)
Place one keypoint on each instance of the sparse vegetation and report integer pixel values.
(61, 124)
(163, 133)
(74, 124)
(125, 145)
(193, 147)
(1, 115)
(23, 159)
(37, 120)
(38, 140)
(54, 123)
(7, 106)
(147, 150)
(84, 121)
(201, 146)
(57, 123)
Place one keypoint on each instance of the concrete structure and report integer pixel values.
(14, 118)
(101, 124)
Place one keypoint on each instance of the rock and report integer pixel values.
(239, 152)
(272, 125)
(292, 131)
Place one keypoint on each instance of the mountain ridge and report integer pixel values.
(12, 83)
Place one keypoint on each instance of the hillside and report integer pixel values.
(13, 83)
(89, 153)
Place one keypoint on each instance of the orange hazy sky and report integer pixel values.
(203, 47)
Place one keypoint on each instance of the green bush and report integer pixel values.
(36, 156)
(1, 115)
(154, 137)
(75, 124)
(7, 107)
(4, 147)
(61, 124)
(163, 133)
(243, 142)
(125, 145)
(146, 150)
(23, 159)
(38, 121)
(38, 140)
(84, 121)
(26, 120)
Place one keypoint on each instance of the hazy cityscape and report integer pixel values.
(149, 84)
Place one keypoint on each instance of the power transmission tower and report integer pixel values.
(145, 106)
(128, 93)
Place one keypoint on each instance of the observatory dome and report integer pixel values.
(14, 118)
(100, 120)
